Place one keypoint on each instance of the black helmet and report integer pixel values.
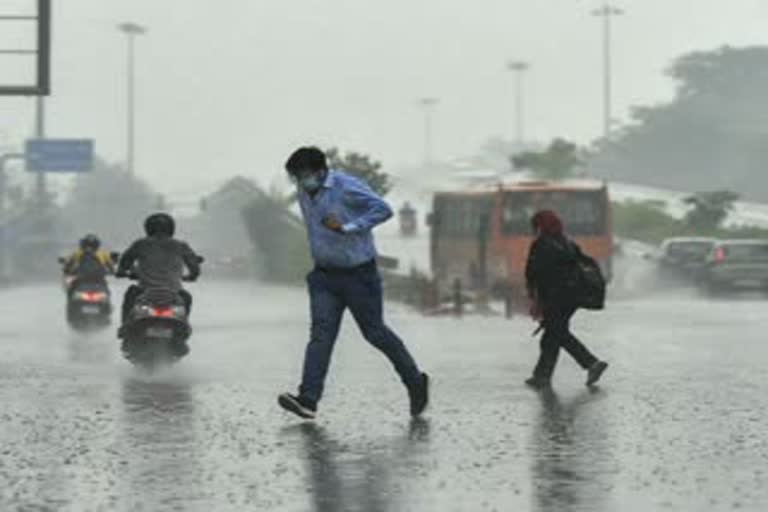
(160, 224)
(90, 242)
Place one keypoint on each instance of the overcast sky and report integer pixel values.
(232, 86)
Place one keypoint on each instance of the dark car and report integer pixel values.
(737, 265)
(684, 259)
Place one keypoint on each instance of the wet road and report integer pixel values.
(679, 423)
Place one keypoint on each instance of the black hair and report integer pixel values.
(306, 158)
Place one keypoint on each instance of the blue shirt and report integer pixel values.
(352, 202)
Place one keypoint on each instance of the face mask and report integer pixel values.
(311, 183)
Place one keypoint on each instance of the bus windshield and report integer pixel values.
(584, 212)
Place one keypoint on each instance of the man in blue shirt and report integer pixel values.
(339, 211)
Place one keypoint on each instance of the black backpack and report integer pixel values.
(592, 289)
(585, 283)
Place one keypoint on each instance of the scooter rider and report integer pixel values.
(158, 261)
(89, 263)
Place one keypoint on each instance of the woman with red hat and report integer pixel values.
(551, 263)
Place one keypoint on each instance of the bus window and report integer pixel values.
(461, 217)
(583, 212)
(516, 214)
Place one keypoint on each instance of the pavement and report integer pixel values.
(677, 424)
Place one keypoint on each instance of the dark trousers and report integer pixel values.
(557, 335)
(359, 290)
(134, 292)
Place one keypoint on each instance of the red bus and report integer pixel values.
(482, 236)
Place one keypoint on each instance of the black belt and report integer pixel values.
(368, 265)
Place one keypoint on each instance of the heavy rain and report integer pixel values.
(205, 207)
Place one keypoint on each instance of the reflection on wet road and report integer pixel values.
(341, 479)
(677, 425)
(158, 426)
(567, 472)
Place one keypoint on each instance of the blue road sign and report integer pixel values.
(59, 155)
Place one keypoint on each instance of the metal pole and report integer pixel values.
(131, 30)
(41, 189)
(43, 72)
(519, 68)
(131, 105)
(607, 12)
(44, 47)
(607, 92)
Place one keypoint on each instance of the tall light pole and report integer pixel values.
(429, 105)
(519, 68)
(607, 12)
(131, 30)
(41, 188)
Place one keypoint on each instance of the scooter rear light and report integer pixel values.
(92, 296)
(162, 312)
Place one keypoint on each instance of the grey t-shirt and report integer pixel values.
(159, 262)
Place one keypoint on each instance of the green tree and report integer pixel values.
(709, 209)
(713, 131)
(558, 161)
(362, 166)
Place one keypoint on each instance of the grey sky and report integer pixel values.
(231, 86)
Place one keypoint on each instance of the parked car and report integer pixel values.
(737, 265)
(684, 259)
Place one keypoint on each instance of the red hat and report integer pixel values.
(548, 222)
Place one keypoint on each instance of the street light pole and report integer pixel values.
(41, 190)
(131, 30)
(607, 12)
(428, 104)
(519, 68)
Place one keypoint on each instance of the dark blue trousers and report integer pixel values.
(359, 290)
